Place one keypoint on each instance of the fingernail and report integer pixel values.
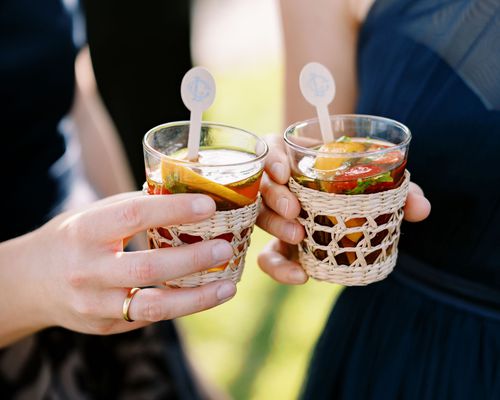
(297, 275)
(222, 251)
(278, 171)
(202, 205)
(291, 231)
(283, 204)
(226, 291)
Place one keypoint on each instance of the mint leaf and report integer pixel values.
(363, 184)
(385, 177)
(344, 139)
(173, 185)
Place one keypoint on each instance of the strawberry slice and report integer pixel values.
(360, 172)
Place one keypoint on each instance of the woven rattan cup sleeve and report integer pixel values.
(375, 252)
(236, 225)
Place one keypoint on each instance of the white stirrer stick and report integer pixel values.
(318, 88)
(198, 93)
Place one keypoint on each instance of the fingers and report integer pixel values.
(114, 199)
(417, 206)
(416, 189)
(274, 261)
(289, 231)
(152, 267)
(279, 198)
(281, 206)
(154, 304)
(127, 217)
(276, 162)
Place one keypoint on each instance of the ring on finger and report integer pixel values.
(126, 303)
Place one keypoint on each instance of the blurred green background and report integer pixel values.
(257, 346)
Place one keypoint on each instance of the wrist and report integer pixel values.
(22, 302)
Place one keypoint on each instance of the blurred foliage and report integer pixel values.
(258, 345)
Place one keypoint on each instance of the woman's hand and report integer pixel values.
(278, 217)
(73, 272)
(278, 259)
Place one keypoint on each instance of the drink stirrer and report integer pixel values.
(318, 88)
(198, 93)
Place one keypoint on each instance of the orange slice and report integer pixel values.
(332, 163)
(351, 223)
(184, 175)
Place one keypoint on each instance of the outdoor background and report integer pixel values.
(256, 346)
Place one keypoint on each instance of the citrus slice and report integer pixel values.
(333, 163)
(351, 223)
(179, 174)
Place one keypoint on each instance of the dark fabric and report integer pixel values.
(140, 52)
(59, 364)
(431, 330)
(390, 340)
(36, 91)
(455, 137)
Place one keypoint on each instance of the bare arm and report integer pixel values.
(104, 158)
(324, 31)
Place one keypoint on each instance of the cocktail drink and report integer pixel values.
(229, 169)
(352, 191)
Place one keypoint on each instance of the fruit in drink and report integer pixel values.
(230, 186)
(352, 166)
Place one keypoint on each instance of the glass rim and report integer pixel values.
(313, 152)
(160, 155)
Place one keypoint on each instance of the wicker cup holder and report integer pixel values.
(235, 226)
(350, 239)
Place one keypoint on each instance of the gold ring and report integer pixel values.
(126, 303)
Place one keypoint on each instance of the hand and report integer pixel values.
(278, 217)
(417, 207)
(278, 259)
(82, 274)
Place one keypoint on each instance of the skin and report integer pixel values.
(328, 28)
(73, 272)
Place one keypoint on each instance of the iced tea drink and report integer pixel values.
(229, 169)
(367, 156)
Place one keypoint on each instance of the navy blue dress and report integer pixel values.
(431, 330)
(37, 54)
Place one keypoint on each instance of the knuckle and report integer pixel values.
(202, 300)
(198, 261)
(142, 270)
(76, 278)
(272, 196)
(75, 229)
(261, 220)
(153, 311)
(131, 215)
(267, 220)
